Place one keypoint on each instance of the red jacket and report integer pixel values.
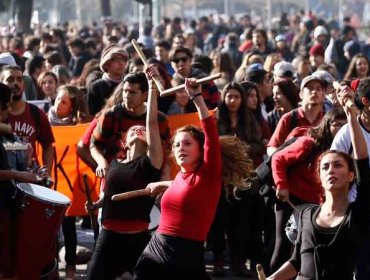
(294, 169)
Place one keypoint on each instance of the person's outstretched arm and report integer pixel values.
(195, 92)
(153, 137)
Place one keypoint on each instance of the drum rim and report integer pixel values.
(66, 203)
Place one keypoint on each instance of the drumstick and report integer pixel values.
(94, 224)
(260, 272)
(145, 61)
(199, 81)
(131, 194)
(292, 205)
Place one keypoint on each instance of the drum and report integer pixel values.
(155, 216)
(39, 214)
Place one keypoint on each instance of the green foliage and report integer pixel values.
(4, 5)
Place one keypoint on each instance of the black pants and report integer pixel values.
(283, 247)
(70, 239)
(116, 253)
(170, 257)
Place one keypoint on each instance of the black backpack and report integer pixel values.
(264, 171)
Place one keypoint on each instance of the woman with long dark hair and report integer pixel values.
(294, 176)
(336, 226)
(233, 217)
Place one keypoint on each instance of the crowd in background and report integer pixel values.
(274, 85)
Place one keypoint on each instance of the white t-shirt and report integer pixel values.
(342, 142)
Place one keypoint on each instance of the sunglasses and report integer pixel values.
(183, 59)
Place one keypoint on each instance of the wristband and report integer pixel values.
(195, 95)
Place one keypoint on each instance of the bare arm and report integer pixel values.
(20, 176)
(102, 163)
(84, 154)
(155, 152)
(48, 157)
(357, 137)
(195, 92)
(285, 272)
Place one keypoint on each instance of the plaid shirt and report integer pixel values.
(109, 134)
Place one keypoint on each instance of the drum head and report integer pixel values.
(155, 216)
(44, 194)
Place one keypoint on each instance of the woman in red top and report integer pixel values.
(294, 176)
(189, 203)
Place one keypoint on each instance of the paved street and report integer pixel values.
(86, 241)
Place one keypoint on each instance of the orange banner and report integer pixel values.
(69, 169)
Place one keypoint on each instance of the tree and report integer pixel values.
(105, 8)
(24, 10)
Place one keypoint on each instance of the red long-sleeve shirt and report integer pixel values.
(189, 204)
(292, 170)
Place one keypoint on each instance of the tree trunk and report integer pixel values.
(105, 8)
(24, 10)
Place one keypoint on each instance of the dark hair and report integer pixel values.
(79, 106)
(347, 158)
(179, 49)
(54, 58)
(8, 68)
(137, 78)
(204, 63)
(31, 42)
(5, 95)
(247, 123)
(34, 63)
(162, 71)
(262, 32)
(90, 66)
(164, 44)
(351, 70)
(248, 87)
(290, 91)
(76, 42)
(363, 89)
(321, 133)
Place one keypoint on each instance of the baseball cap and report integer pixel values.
(7, 59)
(320, 30)
(324, 75)
(310, 78)
(284, 69)
(280, 37)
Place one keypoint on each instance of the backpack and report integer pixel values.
(264, 171)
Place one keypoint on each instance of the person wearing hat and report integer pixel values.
(320, 35)
(342, 142)
(282, 48)
(330, 99)
(284, 70)
(113, 63)
(317, 55)
(307, 115)
(257, 74)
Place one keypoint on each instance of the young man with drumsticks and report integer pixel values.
(7, 189)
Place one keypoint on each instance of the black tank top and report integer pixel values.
(129, 176)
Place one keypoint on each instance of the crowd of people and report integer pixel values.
(308, 80)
